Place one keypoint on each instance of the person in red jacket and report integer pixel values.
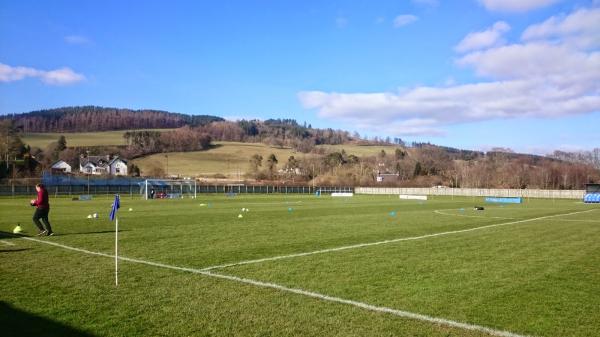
(42, 208)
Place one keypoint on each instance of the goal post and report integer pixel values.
(168, 188)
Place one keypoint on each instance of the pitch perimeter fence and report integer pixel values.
(75, 185)
(476, 192)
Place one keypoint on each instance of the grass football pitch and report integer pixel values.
(297, 265)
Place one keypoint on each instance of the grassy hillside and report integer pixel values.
(231, 158)
(227, 158)
(42, 140)
(361, 150)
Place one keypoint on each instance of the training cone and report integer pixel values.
(18, 229)
(240, 216)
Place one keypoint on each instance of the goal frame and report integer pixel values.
(181, 182)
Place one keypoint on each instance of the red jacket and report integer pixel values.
(42, 199)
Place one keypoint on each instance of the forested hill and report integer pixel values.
(94, 118)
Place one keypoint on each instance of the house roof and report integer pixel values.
(59, 162)
(115, 159)
(100, 161)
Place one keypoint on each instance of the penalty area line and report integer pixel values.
(297, 291)
(376, 243)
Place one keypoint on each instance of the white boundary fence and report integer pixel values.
(474, 192)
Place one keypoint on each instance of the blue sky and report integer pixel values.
(475, 74)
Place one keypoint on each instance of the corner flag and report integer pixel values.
(113, 215)
(115, 206)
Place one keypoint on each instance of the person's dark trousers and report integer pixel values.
(42, 213)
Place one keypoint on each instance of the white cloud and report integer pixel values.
(487, 38)
(61, 76)
(543, 76)
(404, 19)
(580, 29)
(515, 5)
(533, 60)
(77, 39)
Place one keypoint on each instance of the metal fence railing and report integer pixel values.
(133, 189)
(476, 192)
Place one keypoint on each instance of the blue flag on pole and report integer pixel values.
(115, 206)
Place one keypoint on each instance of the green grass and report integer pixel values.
(537, 277)
(105, 138)
(225, 158)
(231, 158)
(361, 150)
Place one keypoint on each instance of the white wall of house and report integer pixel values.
(118, 168)
(88, 168)
(62, 166)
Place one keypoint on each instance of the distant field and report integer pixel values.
(228, 158)
(299, 265)
(225, 158)
(361, 150)
(42, 140)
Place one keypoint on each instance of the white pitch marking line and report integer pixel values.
(574, 220)
(7, 243)
(439, 211)
(360, 245)
(362, 305)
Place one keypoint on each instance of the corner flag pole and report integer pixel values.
(117, 251)
(113, 216)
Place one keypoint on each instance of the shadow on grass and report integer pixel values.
(13, 250)
(7, 235)
(16, 322)
(213, 146)
(98, 232)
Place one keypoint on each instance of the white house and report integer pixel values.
(117, 167)
(61, 166)
(103, 165)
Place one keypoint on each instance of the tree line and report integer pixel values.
(94, 118)
(426, 166)
(415, 164)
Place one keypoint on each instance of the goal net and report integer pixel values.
(167, 189)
